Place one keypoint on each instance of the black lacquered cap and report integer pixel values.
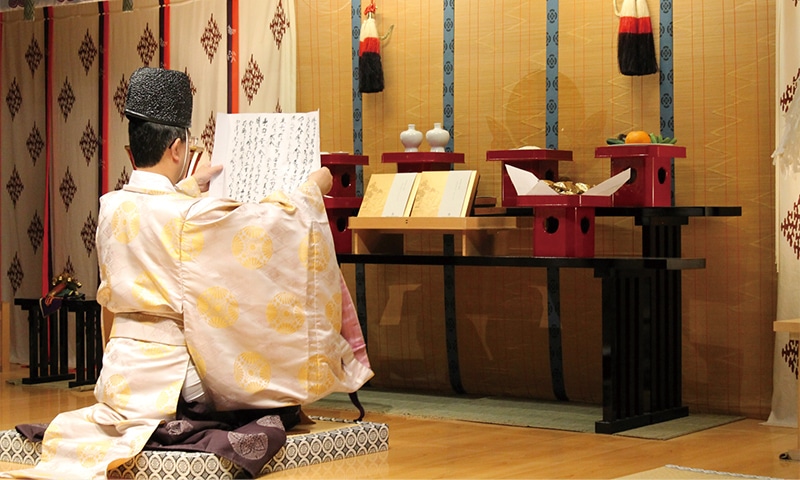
(160, 96)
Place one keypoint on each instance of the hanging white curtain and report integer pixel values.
(248, 65)
(132, 43)
(76, 129)
(268, 57)
(787, 162)
(34, 4)
(23, 163)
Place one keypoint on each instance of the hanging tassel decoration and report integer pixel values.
(636, 51)
(27, 9)
(370, 70)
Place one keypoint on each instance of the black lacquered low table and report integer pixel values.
(641, 312)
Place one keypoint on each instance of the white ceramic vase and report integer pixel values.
(437, 137)
(411, 138)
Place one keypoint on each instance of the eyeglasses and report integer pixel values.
(192, 142)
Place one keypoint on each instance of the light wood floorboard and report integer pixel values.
(452, 449)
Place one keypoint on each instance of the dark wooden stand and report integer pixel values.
(660, 359)
(48, 342)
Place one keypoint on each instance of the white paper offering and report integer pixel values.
(526, 183)
(611, 185)
(262, 153)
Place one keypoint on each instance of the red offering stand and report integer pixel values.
(342, 202)
(422, 161)
(343, 169)
(541, 162)
(651, 172)
(563, 225)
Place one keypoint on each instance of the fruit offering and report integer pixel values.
(640, 136)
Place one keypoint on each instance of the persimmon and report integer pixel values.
(637, 136)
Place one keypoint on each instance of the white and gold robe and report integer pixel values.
(252, 292)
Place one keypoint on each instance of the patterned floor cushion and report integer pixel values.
(326, 440)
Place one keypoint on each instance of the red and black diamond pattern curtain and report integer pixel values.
(24, 152)
(787, 163)
(76, 129)
(64, 76)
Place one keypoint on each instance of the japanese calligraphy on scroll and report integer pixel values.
(263, 153)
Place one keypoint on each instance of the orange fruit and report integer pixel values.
(637, 136)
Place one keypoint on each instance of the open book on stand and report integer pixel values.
(389, 195)
(425, 194)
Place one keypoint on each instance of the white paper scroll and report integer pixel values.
(263, 153)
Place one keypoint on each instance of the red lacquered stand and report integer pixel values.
(541, 162)
(342, 202)
(651, 173)
(563, 225)
(422, 161)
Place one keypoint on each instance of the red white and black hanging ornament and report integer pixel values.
(370, 69)
(636, 51)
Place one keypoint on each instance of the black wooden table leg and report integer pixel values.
(81, 338)
(35, 325)
(61, 334)
(626, 364)
(641, 350)
(554, 330)
(664, 240)
(450, 319)
(48, 341)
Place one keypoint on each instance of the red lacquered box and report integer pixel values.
(651, 173)
(563, 225)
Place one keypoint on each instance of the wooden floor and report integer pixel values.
(450, 449)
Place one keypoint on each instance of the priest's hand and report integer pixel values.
(205, 172)
(323, 179)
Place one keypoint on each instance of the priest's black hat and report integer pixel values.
(160, 96)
